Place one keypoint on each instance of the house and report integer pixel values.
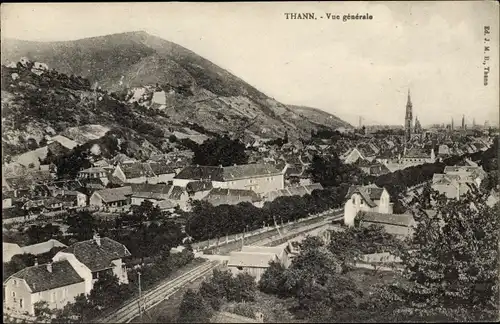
(95, 173)
(76, 198)
(114, 197)
(399, 225)
(153, 172)
(260, 177)
(57, 283)
(43, 247)
(253, 263)
(356, 154)
(453, 186)
(416, 156)
(366, 198)
(180, 197)
(94, 257)
(457, 180)
(151, 192)
(134, 172)
(198, 190)
(220, 196)
(372, 168)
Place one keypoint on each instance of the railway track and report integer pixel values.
(155, 296)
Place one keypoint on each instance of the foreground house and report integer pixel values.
(57, 283)
(366, 198)
(259, 178)
(73, 271)
(93, 257)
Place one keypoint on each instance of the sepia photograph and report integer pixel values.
(250, 162)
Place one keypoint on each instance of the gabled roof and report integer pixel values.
(150, 188)
(16, 183)
(94, 170)
(114, 194)
(97, 257)
(387, 219)
(160, 168)
(136, 170)
(228, 173)
(369, 193)
(176, 193)
(40, 279)
(251, 259)
(196, 172)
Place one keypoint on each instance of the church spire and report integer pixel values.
(408, 118)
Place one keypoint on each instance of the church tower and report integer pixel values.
(463, 122)
(452, 126)
(408, 119)
(418, 127)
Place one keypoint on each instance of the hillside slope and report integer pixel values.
(319, 116)
(174, 80)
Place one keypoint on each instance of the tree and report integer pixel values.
(82, 225)
(42, 311)
(273, 279)
(244, 288)
(70, 164)
(146, 211)
(220, 151)
(105, 292)
(454, 271)
(194, 309)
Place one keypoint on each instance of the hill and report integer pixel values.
(319, 116)
(140, 76)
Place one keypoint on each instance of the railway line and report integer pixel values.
(129, 311)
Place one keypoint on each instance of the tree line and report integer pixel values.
(206, 221)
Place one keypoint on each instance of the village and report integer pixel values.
(169, 189)
(250, 162)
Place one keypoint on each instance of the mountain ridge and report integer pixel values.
(173, 80)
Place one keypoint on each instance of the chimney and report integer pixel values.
(97, 239)
(49, 267)
(36, 262)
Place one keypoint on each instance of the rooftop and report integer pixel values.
(39, 278)
(97, 257)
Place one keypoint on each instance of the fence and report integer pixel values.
(238, 236)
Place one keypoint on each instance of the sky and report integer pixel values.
(350, 69)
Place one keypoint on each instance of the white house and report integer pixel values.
(93, 257)
(260, 177)
(138, 172)
(57, 283)
(366, 198)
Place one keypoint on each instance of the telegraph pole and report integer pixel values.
(140, 294)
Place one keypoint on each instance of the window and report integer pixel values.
(14, 294)
(53, 296)
(353, 199)
(21, 303)
(239, 268)
(15, 283)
